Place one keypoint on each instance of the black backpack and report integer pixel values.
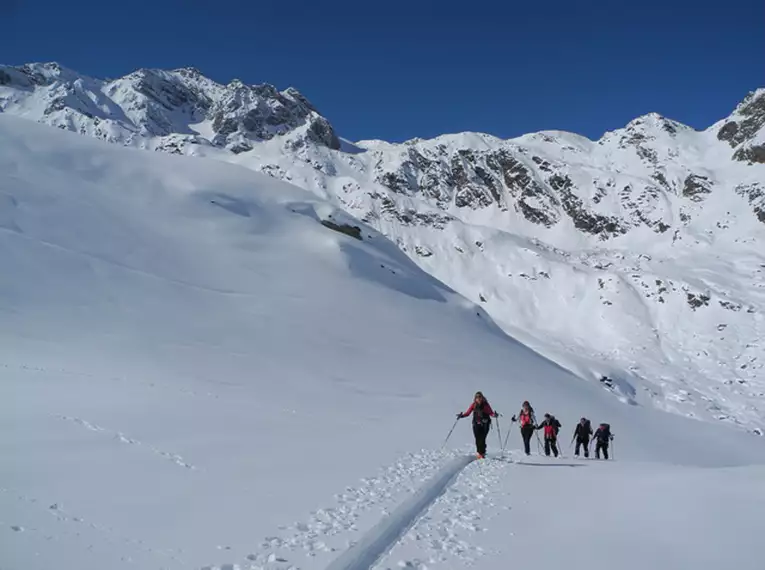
(479, 416)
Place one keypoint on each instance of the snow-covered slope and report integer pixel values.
(197, 372)
(636, 259)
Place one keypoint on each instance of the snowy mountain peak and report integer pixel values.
(191, 72)
(174, 111)
(652, 122)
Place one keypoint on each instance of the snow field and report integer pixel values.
(197, 373)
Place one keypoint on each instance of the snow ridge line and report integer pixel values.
(383, 536)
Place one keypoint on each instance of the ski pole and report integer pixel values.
(539, 442)
(499, 433)
(507, 437)
(450, 432)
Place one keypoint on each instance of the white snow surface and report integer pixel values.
(196, 373)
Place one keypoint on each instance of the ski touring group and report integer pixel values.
(482, 413)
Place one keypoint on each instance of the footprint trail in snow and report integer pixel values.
(328, 531)
(444, 536)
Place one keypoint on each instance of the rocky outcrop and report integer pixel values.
(755, 193)
(696, 187)
(754, 154)
(747, 121)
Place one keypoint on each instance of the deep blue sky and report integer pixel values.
(399, 69)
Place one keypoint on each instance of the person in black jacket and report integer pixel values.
(603, 437)
(582, 433)
(550, 425)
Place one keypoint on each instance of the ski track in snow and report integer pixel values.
(121, 437)
(326, 530)
(443, 531)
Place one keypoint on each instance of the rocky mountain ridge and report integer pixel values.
(160, 109)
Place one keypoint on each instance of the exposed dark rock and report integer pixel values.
(409, 217)
(753, 109)
(696, 187)
(756, 195)
(422, 251)
(661, 179)
(728, 132)
(753, 154)
(5, 79)
(543, 164)
(395, 182)
(240, 147)
(321, 132)
(647, 154)
(697, 300)
(589, 222)
(58, 104)
(353, 231)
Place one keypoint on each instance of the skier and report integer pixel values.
(482, 414)
(551, 427)
(582, 433)
(602, 437)
(527, 422)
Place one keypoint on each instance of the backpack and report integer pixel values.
(551, 427)
(526, 419)
(605, 432)
(480, 416)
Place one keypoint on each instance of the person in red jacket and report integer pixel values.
(527, 422)
(482, 414)
(551, 426)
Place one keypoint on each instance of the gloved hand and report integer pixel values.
(459, 415)
(513, 419)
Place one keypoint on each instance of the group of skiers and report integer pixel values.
(482, 413)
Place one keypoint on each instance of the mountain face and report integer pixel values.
(637, 260)
(163, 110)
